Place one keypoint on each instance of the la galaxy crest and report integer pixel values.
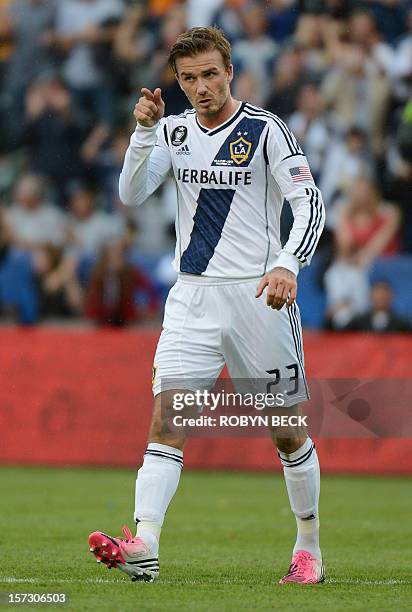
(240, 150)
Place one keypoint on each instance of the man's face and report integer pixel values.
(205, 81)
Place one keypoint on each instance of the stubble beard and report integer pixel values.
(214, 109)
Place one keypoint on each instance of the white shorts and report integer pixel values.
(209, 322)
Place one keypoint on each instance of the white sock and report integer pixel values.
(302, 477)
(156, 483)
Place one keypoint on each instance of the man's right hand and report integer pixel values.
(150, 108)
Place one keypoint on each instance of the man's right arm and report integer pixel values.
(146, 164)
(147, 159)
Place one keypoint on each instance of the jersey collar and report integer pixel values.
(223, 126)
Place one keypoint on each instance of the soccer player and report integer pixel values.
(234, 164)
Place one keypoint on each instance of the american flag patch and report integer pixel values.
(300, 173)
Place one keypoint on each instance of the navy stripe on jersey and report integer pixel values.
(246, 134)
(213, 206)
(309, 227)
(291, 141)
(204, 130)
(224, 125)
(265, 149)
(267, 218)
(319, 216)
(188, 111)
(290, 145)
(310, 237)
(177, 224)
(292, 155)
(289, 137)
(165, 134)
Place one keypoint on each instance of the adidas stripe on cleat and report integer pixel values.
(304, 569)
(130, 555)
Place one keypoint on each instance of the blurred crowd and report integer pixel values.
(339, 72)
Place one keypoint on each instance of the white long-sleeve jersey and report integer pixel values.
(231, 184)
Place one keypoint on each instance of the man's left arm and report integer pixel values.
(289, 167)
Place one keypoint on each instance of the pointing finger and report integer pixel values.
(147, 93)
(157, 96)
(146, 104)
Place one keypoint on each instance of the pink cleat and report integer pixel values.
(305, 569)
(131, 555)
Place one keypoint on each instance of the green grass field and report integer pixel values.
(226, 541)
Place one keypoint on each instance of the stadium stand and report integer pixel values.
(339, 73)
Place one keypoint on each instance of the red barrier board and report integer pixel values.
(84, 397)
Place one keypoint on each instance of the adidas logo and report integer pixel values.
(183, 150)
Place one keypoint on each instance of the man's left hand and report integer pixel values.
(281, 286)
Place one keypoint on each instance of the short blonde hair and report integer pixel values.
(200, 40)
